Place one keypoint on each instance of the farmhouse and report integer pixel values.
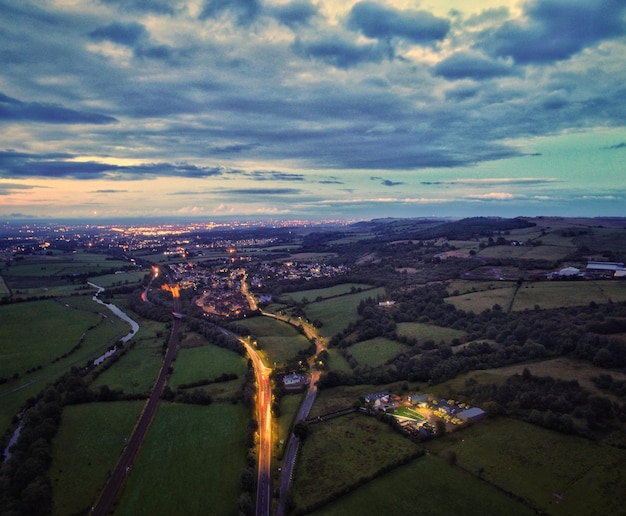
(294, 380)
(417, 399)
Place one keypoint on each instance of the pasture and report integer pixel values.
(120, 278)
(63, 264)
(87, 445)
(35, 333)
(375, 351)
(556, 294)
(336, 313)
(4, 290)
(206, 363)
(337, 362)
(423, 332)
(536, 464)
(322, 293)
(484, 300)
(190, 462)
(340, 451)
(427, 486)
(279, 341)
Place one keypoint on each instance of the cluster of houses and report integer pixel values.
(292, 270)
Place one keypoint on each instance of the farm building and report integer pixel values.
(605, 266)
(569, 271)
(471, 415)
(417, 399)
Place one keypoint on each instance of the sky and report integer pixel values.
(312, 109)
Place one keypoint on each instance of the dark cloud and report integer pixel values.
(244, 11)
(341, 53)
(264, 191)
(386, 182)
(14, 109)
(128, 34)
(146, 6)
(621, 145)
(376, 21)
(17, 165)
(108, 191)
(294, 14)
(8, 188)
(466, 65)
(273, 175)
(556, 29)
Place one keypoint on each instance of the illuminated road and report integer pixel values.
(264, 417)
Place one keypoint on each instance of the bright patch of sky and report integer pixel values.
(312, 109)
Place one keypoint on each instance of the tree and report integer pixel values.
(301, 430)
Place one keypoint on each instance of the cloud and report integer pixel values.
(469, 65)
(128, 34)
(264, 191)
(8, 188)
(108, 191)
(146, 6)
(386, 182)
(18, 165)
(243, 11)
(14, 109)
(555, 30)
(377, 21)
(621, 145)
(294, 14)
(338, 51)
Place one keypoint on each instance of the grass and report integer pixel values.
(62, 264)
(337, 362)
(407, 413)
(88, 444)
(289, 405)
(555, 294)
(375, 351)
(324, 293)
(279, 341)
(427, 486)
(340, 451)
(206, 362)
(479, 301)
(535, 464)
(338, 312)
(4, 290)
(36, 333)
(190, 462)
(134, 373)
(123, 278)
(423, 332)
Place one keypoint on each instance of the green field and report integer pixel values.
(206, 362)
(323, 293)
(190, 462)
(479, 301)
(423, 332)
(375, 351)
(541, 252)
(88, 444)
(428, 486)
(556, 294)
(122, 278)
(340, 451)
(536, 464)
(338, 312)
(4, 290)
(36, 333)
(62, 264)
(279, 341)
(337, 362)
